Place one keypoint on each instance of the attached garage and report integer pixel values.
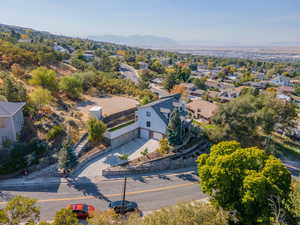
(145, 134)
(157, 136)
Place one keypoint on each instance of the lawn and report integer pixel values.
(121, 126)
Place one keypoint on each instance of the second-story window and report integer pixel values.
(148, 114)
(148, 124)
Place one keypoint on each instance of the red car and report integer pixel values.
(82, 211)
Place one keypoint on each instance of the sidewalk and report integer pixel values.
(24, 181)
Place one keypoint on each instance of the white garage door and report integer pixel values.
(144, 134)
(157, 136)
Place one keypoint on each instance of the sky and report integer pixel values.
(228, 21)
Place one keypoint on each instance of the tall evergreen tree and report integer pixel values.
(175, 129)
(67, 157)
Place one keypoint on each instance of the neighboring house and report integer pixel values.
(60, 49)
(11, 120)
(189, 87)
(259, 85)
(165, 61)
(224, 85)
(212, 84)
(261, 76)
(25, 40)
(153, 118)
(283, 97)
(281, 81)
(201, 110)
(88, 55)
(158, 81)
(232, 92)
(201, 67)
(198, 93)
(143, 66)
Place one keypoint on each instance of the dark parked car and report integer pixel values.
(128, 206)
(82, 211)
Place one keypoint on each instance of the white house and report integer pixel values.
(11, 120)
(153, 118)
(281, 81)
(143, 66)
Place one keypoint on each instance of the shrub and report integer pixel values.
(72, 86)
(164, 147)
(40, 97)
(180, 214)
(55, 132)
(96, 130)
(44, 77)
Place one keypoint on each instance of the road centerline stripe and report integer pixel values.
(115, 195)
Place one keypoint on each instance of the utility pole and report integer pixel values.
(124, 194)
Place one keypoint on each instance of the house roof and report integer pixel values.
(163, 103)
(10, 108)
(204, 108)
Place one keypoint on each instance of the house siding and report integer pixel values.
(18, 121)
(157, 125)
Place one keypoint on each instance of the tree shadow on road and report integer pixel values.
(140, 179)
(87, 187)
(163, 177)
(187, 177)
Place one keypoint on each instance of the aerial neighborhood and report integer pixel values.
(77, 113)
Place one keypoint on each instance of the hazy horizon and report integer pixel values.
(193, 21)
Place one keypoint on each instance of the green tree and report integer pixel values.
(67, 158)
(13, 91)
(19, 209)
(145, 100)
(297, 91)
(170, 81)
(157, 67)
(40, 97)
(65, 217)
(200, 83)
(143, 83)
(72, 86)
(243, 180)
(175, 129)
(44, 77)
(96, 130)
(241, 118)
(184, 74)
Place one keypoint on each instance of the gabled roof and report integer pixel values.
(10, 108)
(163, 103)
(204, 108)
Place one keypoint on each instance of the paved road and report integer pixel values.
(129, 72)
(151, 192)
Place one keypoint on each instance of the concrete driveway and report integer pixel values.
(133, 149)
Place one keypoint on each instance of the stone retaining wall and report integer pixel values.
(158, 165)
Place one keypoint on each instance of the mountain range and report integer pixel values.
(136, 40)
